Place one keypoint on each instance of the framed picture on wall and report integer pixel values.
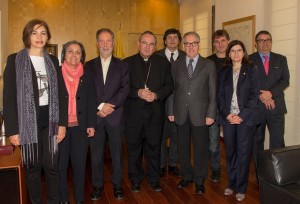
(51, 49)
(242, 29)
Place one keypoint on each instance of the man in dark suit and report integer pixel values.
(111, 83)
(193, 109)
(172, 40)
(220, 40)
(150, 84)
(274, 79)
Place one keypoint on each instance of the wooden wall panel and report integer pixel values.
(79, 20)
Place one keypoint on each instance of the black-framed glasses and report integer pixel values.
(264, 40)
(193, 44)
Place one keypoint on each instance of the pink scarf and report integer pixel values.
(71, 78)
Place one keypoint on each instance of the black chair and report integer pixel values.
(279, 175)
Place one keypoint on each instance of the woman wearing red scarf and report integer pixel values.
(81, 120)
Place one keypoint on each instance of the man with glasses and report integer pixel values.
(110, 76)
(193, 108)
(172, 40)
(220, 39)
(150, 83)
(274, 79)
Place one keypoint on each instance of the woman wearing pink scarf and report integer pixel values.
(81, 120)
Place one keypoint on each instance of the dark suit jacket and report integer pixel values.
(85, 101)
(277, 80)
(195, 97)
(10, 110)
(181, 54)
(160, 82)
(247, 94)
(115, 89)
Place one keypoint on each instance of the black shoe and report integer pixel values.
(183, 183)
(80, 202)
(135, 187)
(156, 187)
(67, 202)
(162, 172)
(215, 176)
(174, 170)
(96, 193)
(200, 189)
(118, 192)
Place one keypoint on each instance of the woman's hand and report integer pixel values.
(61, 134)
(90, 132)
(15, 140)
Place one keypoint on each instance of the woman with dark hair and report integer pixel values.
(81, 120)
(35, 110)
(237, 96)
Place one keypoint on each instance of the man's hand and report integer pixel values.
(108, 108)
(236, 120)
(61, 134)
(209, 121)
(147, 95)
(15, 140)
(270, 104)
(90, 132)
(265, 96)
(171, 118)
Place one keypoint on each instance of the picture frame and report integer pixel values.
(51, 49)
(242, 29)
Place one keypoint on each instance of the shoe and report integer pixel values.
(199, 189)
(162, 171)
(156, 187)
(80, 202)
(240, 196)
(135, 187)
(215, 176)
(174, 170)
(66, 202)
(118, 192)
(228, 192)
(183, 183)
(96, 193)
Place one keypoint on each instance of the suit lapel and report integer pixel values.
(198, 66)
(109, 71)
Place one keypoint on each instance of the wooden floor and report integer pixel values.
(169, 194)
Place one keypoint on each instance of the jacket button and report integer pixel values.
(79, 112)
(78, 98)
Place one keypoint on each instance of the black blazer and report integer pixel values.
(114, 91)
(85, 101)
(276, 81)
(247, 94)
(159, 81)
(10, 110)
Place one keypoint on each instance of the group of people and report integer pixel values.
(57, 112)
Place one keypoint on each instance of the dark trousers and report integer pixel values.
(214, 147)
(169, 157)
(144, 138)
(238, 143)
(275, 124)
(198, 135)
(73, 148)
(47, 162)
(103, 132)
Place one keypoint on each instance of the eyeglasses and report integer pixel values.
(261, 41)
(193, 44)
(145, 44)
(236, 51)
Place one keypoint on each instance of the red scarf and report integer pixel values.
(71, 78)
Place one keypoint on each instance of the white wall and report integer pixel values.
(280, 18)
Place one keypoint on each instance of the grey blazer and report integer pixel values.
(195, 97)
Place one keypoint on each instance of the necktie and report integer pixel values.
(171, 58)
(190, 68)
(266, 63)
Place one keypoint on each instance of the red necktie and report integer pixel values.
(266, 63)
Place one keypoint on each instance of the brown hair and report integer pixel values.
(28, 29)
(245, 58)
